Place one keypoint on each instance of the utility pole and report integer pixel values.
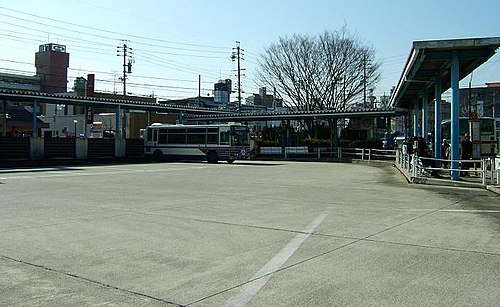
(364, 81)
(494, 101)
(126, 52)
(199, 87)
(238, 56)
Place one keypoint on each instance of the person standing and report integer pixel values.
(445, 152)
(465, 152)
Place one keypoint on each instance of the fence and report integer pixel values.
(26, 149)
(486, 169)
(12, 148)
(326, 153)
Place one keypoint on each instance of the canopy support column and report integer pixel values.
(437, 119)
(4, 118)
(455, 115)
(415, 118)
(425, 117)
(118, 123)
(34, 129)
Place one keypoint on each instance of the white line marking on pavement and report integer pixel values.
(265, 273)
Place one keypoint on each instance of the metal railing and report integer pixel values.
(365, 154)
(486, 169)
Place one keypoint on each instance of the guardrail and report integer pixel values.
(326, 153)
(487, 169)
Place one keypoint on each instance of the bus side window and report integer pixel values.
(162, 138)
(224, 137)
(212, 135)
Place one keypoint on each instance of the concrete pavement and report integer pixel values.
(254, 233)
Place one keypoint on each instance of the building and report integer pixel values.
(19, 82)
(19, 120)
(484, 101)
(263, 99)
(219, 99)
(52, 62)
(222, 91)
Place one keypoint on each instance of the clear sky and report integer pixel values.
(175, 41)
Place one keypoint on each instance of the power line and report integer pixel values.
(101, 30)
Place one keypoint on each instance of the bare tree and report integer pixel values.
(331, 71)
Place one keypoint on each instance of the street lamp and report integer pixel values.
(75, 122)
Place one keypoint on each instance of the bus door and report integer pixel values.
(155, 137)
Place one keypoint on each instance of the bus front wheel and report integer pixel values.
(212, 157)
(230, 161)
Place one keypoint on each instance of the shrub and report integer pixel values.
(314, 143)
(368, 143)
(265, 143)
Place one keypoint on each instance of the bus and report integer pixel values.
(482, 133)
(213, 143)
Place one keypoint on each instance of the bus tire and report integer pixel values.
(212, 157)
(157, 156)
(230, 161)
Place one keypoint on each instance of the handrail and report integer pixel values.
(488, 169)
(367, 154)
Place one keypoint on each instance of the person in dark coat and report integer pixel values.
(445, 152)
(465, 152)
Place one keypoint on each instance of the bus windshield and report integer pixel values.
(240, 136)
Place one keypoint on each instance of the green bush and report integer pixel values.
(368, 143)
(265, 143)
(314, 143)
(344, 143)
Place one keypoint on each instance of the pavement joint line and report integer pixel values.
(233, 224)
(355, 241)
(102, 284)
(279, 270)
(451, 249)
(73, 221)
(247, 293)
(266, 272)
(470, 211)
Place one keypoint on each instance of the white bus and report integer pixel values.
(213, 143)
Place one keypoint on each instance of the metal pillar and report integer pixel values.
(118, 122)
(125, 124)
(4, 118)
(455, 115)
(406, 124)
(415, 118)
(288, 138)
(437, 119)
(149, 117)
(34, 132)
(85, 122)
(335, 136)
(425, 117)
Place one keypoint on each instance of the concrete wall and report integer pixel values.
(120, 148)
(81, 151)
(36, 148)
